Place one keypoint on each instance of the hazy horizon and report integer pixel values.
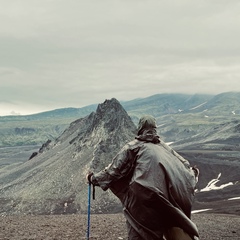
(121, 100)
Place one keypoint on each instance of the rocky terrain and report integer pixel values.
(45, 197)
(53, 181)
(104, 227)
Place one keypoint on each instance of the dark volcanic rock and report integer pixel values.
(34, 154)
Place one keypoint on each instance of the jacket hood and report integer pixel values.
(149, 135)
(146, 122)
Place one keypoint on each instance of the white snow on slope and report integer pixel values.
(201, 210)
(197, 106)
(212, 185)
(234, 198)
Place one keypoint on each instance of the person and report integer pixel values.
(154, 184)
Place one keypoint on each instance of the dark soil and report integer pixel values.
(104, 227)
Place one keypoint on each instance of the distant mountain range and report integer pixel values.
(179, 116)
(202, 128)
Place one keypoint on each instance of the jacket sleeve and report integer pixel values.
(120, 166)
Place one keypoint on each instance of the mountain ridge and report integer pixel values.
(50, 183)
(53, 181)
(168, 109)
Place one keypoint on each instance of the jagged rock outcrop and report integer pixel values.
(53, 182)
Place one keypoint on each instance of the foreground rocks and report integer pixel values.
(104, 227)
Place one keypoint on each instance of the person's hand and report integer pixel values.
(88, 177)
(196, 172)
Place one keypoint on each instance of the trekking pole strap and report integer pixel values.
(93, 192)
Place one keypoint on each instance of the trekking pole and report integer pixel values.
(89, 210)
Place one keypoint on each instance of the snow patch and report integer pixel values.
(212, 185)
(234, 198)
(201, 210)
(233, 112)
(198, 106)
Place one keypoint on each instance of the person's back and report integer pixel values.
(155, 185)
(158, 188)
(158, 169)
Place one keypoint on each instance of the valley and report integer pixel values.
(11, 157)
(90, 137)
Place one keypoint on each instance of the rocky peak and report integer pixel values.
(54, 180)
(105, 131)
(113, 115)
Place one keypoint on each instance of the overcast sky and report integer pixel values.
(72, 53)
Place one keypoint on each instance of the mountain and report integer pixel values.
(178, 115)
(202, 128)
(216, 152)
(53, 181)
(202, 116)
(222, 136)
(225, 104)
(38, 128)
(164, 104)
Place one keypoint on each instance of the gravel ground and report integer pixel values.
(104, 227)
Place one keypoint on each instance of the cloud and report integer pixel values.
(57, 53)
